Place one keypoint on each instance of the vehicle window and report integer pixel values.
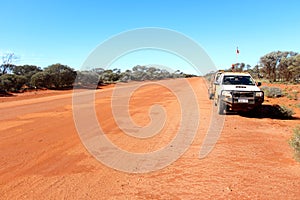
(238, 80)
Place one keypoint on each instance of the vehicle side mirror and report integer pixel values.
(258, 83)
(216, 83)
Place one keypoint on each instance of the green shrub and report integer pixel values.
(295, 94)
(12, 82)
(290, 97)
(285, 92)
(295, 143)
(272, 92)
(297, 105)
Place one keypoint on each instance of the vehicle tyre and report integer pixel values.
(221, 107)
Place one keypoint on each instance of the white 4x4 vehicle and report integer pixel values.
(237, 91)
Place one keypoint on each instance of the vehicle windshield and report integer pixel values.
(238, 80)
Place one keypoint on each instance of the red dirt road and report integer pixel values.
(42, 157)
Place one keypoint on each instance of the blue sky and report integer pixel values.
(48, 32)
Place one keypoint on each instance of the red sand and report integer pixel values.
(42, 157)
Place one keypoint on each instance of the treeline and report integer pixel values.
(277, 66)
(57, 76)
(280, 66)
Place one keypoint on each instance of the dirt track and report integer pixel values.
(42, 157)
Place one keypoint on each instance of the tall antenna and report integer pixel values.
(237, 54)
(233, 66)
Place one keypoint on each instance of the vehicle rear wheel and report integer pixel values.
(216, 101)
(221, 107)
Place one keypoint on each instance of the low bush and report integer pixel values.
(272, 92)
(295, 143)
(295, 94)
(290, 97)
(297, 105)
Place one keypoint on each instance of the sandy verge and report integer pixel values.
(42, 157)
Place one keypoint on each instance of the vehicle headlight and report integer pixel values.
(227, 94)
(259, 94)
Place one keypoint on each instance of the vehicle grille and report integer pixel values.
(243, 94)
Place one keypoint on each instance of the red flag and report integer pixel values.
(237, 50)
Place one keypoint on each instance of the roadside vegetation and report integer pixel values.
(276, 66)
(272, 92)
(293, 95)
(57, 76)
(295, 143)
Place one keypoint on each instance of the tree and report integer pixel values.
(178, 74)
(27, 71)
(11, 82)
(126, 76)
(41, 80)
(239, 67)
(271, 63)
(294, 68)
(248, 67)
(61, 75)
(5, 68)
(107, 76)
(116, 74)
(255, 72)
(87, 78)
(165, 74)
(285, 73)
(7, 65)
(7, 82)
(98, 70)
(139, 73)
